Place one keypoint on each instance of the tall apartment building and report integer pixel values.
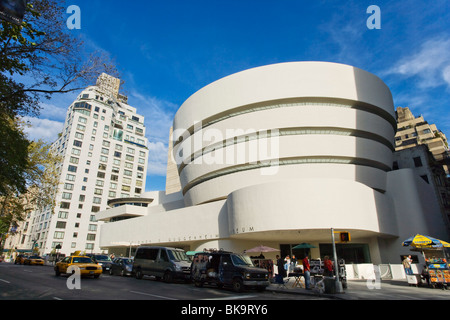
(422, 147)
(105, 154)
(414, 131)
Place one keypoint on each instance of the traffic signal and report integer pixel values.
(344, 236)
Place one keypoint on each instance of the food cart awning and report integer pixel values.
(192, 253)
(261, 249)
(304, 246)
(423, 241)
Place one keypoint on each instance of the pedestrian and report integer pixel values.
(281, 272)
(293, 263)
(327, 267)
(407, 265)
(287, 264)
(425, 275)
(306, 272)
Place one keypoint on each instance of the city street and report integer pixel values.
(19, 282)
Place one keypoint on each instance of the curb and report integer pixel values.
(305, 292)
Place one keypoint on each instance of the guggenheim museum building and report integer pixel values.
(280, 155)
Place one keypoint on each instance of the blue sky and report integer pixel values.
(168, 50)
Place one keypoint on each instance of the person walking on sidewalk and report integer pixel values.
(307, 272)
(281, 271)
(327, 267)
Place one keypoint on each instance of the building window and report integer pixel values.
(351, 253)
(417, 162)
(68, 186)
(54, 244)
(60, 225)
(63, 215)
(65, 205)
(67, 195)
(77, 143)
(82, 120)
(97, 200)
(58, 235)
(74, 160)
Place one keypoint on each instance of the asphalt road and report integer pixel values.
(19, 282)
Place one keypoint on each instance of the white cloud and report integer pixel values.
(431, 64)
(446, 74)
(54, 112)
(44, 129)
(157, 159)
(158, 116)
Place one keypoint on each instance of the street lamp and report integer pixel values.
(339, 288)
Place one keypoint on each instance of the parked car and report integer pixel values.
(121, 266)
(162, 262)
(20, 259)
(86, 265)
(102, 259)
(34, 260)
(227, 269)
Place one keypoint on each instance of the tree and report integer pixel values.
(39, 58)
(41, 183)
(43, 49)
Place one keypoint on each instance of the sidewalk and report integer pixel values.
(370, 290)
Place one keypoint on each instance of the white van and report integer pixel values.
(162, 262)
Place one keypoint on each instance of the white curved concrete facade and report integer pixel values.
(290, 116)
(282, 154)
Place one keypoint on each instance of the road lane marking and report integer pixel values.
(232, 298)
(56, 298)
(4, 281)
(153, 295)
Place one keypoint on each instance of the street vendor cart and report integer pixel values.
(437, 268)
(436, 271)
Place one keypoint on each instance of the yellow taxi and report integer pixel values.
(85, 265)
(34, 260)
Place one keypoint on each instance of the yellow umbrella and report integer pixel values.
(422, 241)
